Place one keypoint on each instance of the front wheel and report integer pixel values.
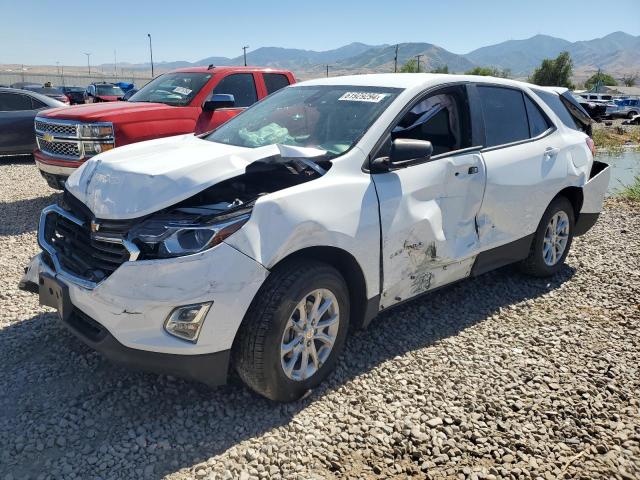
(552, 240)
(294, 331)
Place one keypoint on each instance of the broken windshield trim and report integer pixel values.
(395, 91)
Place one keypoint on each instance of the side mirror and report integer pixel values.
(219, 100)
(403, 153)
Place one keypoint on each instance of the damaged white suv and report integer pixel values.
(257, 246)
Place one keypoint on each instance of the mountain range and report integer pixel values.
(617, 53)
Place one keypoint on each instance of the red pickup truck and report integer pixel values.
(186, 100)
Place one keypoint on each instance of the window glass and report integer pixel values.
(442, 119)
(37, 104)
(538, 123)
(14, 101)
(177, 89)
(555, 104)
(275, 81)
(505, 117)
(241, 86)
(327, 117)
(109, 90)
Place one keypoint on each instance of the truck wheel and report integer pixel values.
(294, 330)
(552, 240)
(630, 115)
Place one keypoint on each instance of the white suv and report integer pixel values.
(257, 246)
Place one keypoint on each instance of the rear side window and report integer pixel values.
(275, 81)
(37, 104)
(11, 102)
(505, 116)
(555, 104)
(538, 123)
(241, 86)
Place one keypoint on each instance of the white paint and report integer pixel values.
(435, 217)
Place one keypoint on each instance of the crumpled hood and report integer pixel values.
(135, 180)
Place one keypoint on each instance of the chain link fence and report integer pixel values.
(73, 79)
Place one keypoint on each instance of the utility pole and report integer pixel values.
(63, 75)
(115, 64)
(151, 53)
(395, 61)
(418, 57)
(244, 53)
(327, 71)
(88, 54)
(58, 67)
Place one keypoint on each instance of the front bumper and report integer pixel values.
(208, 368)
(131, 305)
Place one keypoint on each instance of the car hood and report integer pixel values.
(108, 111)
(142, 178)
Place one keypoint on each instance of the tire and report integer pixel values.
(258, 350)
(632, 114)
(535, 263)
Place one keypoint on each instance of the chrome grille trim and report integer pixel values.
(134, 252)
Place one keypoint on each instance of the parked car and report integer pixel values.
(627, 108)
(256, 246)
(102, 92)
(18, 108)
(74, 94)
(129, 94)
(597, 111)
(171, 104)
(51, 92)
(23, 85)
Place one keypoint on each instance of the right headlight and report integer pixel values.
(166, 237)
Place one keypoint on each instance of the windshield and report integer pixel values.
(331, 118)
(172, 88)
(109, 90)
(74, 89)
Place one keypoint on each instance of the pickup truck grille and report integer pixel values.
(90, 256)
(66, 129)
(59, 149)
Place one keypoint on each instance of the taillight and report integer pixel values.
(591, 145)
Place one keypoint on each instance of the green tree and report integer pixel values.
(599, 78)
(484, 71)
(441, 69)
(554, 72)
(410, 67)
(630, 80)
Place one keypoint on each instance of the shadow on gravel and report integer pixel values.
(22, 216)
(65, 409)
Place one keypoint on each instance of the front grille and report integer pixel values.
(67, 149)
(56, 128)
(79, 253)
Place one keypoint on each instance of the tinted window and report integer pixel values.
(538, 123)
(37, 104)
(275, 81)
(505, 117)
(241, 86)
(555, 104)
(14, 101)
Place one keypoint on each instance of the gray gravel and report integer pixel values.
(499, 376)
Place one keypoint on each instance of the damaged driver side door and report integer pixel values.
(428, 209)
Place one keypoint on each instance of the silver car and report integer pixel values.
(627, 108)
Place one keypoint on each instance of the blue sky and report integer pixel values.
(43, 32)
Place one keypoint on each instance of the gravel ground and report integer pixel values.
(498, 376)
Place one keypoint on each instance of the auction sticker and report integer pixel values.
(362, 97)
(182, 90)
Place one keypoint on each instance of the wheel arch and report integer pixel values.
(575, 195)
(362, 310)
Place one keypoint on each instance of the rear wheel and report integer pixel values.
(294, 331)
(631, 114)
(552, 240)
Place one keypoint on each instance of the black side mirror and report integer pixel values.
(219, 100)
(403, 153)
